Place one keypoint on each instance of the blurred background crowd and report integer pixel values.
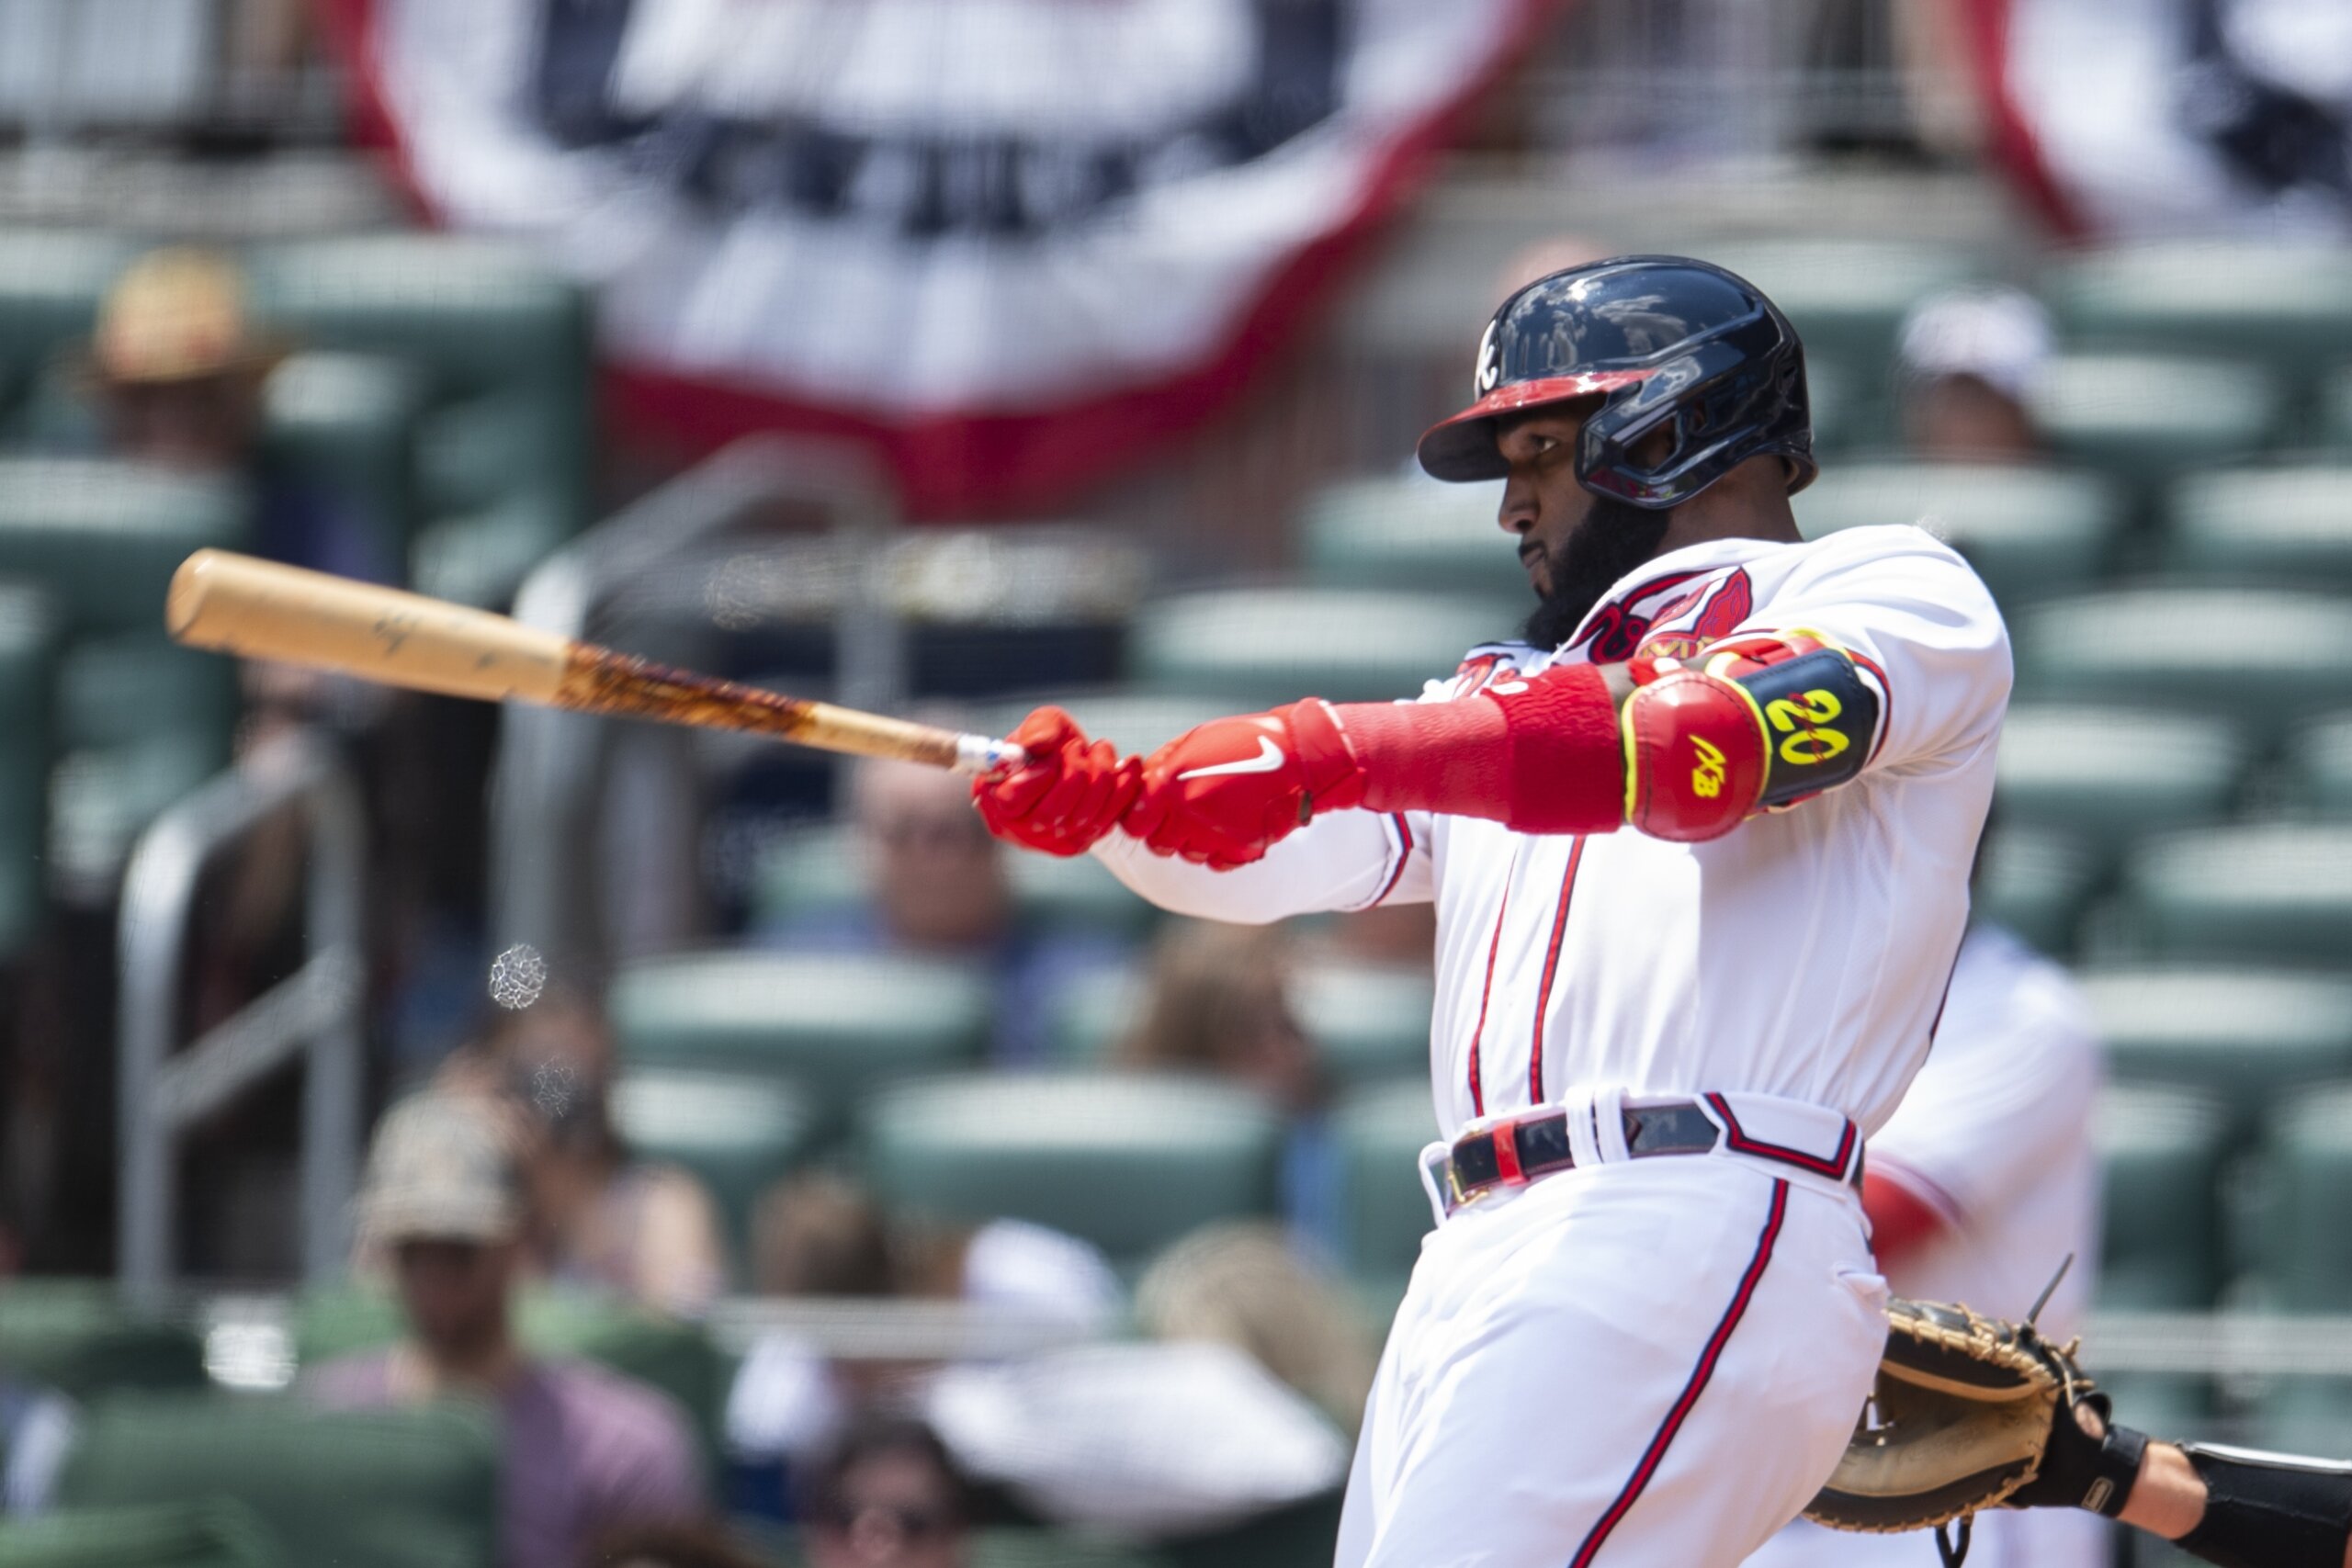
(800, 1176)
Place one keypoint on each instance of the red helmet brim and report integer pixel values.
(1461, 448)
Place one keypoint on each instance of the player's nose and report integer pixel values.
(1517, 513)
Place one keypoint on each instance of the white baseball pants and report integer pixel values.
(1637, 1364)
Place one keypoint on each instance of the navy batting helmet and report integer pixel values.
(1666, 343)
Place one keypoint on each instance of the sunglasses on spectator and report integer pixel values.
(908, 1524)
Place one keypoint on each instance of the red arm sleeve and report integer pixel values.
(1901, 1220)
(1542, 755)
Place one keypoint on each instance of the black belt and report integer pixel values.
(1513, 1153)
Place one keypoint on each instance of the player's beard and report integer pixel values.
(1610, 540)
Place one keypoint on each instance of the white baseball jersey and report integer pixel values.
(1995, 1136)
(1803, 956)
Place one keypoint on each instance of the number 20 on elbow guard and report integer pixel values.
(1821, 716)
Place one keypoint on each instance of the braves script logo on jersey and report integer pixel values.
(1729, 603)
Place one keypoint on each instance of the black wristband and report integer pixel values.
(2079, 1470)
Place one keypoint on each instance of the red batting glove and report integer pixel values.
(1067, 795)
(1224, 793)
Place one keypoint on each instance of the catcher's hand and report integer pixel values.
(1969, 1413)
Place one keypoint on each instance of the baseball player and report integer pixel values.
(1980, 1187)
(1699, 847)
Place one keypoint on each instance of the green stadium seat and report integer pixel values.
(1409, 532)
(1369, 1022)
(2142, 417)
(832, 1025)
(2246, 1037)
(1267, 646)
(29, 632)
(2031, 532)
(2291, 305)
(1381, 1131)
(345, 424)
(2306, 1248)
(1128, 1161)
(218, 1533)
(501, 452)
(76, 1335)
(737, 1132)
(2161, 1152)
(2283, 526)
(365, 1489)
(50, 283)
(2263, 659)
(2335, 412)
(2318, 771)
(2036, 882)
(2260, 893)
(813, 871)
(2112, 774)
(1848, 298)
(139, 721)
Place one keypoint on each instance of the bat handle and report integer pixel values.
(979, 755)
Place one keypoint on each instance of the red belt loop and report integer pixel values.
(1506, 1166)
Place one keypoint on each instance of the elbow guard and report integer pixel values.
(1758, 724)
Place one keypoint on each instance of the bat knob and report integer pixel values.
(979, 754)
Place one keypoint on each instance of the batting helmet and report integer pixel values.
(1664, 342)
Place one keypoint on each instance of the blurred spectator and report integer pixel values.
(1240, 1284)
(596, 1217)
(1220, 1003)
(585, 1451)
(177, 370)
(1966, 363)
(936, 886)
(822, 1235)
(889, 1496)
(36, 1429)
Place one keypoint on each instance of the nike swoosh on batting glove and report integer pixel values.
(1222, 795)
(1069, 793)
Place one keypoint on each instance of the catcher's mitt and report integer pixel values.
(1958, 1423)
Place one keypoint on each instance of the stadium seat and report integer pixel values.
(217, 1533)
(2263, 659)
(345, 424)
(1381, 1131)
(28, 678)
(2261, 893)
(1848, 298)
(2112, 774)
(51, 283)
(2305, 1247)
(813, 871)
(1369, 1022)
(2142, 417)
(139, 720)
(2161, 1152)
(736, 1132)
(2246, 1037)
(2031, 532)
(2036, 882)
(2335, 412)
(414, 1488)
(2291, 526)
(2291, 305)
(1267, 646)
(501, 448)
(832, 1024)
(77, 1336)
(1408, 532)
(2318, 771)
(1129, 1162)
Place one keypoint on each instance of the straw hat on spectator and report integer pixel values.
(178, 314)
(439, 1170)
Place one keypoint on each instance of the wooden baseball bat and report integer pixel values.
(258, 609)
